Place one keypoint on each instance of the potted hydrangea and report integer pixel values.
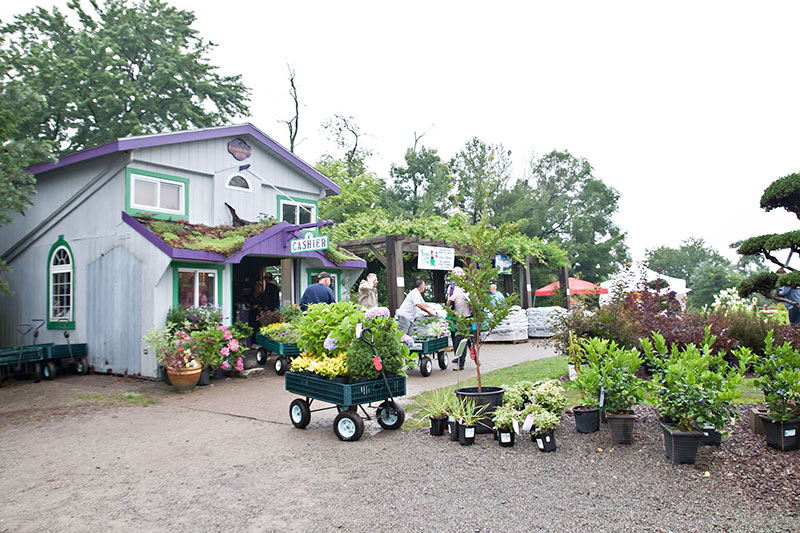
(178, 353)
(695, 390)
(779, 378)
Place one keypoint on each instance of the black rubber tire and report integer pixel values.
(281, 365)
(261, 356)
(425, 366)
(49, 371)
(444, 362)
(348, 426)
(390, 415)
(82, 366)
(299, 413)
(37, 372)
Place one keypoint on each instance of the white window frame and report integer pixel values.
(62, 269)
(240, 189)
(196, 278)
(181, 194)
(299, 205)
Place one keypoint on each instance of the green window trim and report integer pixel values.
(135, 211)
(311, 271)
(283, 199)
(60, 324)
(177, 265)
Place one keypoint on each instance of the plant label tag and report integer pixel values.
(528, 423)
(431, 422)
(789, 432)
(376, 361)
(505, 437)
(547, 438)
(602, 396)
(540, 444)
(359, 327)
(705, 433)
(451, 418)
(515, 424)
(469, 433)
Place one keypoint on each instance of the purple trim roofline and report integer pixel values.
(149, 141)
(249, 244)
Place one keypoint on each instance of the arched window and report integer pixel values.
(60, 286)
(239, 183)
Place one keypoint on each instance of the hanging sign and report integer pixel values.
(239, 149)
(503, 263)
(308, 244)
(435, 258)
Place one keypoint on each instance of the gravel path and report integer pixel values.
(165, 467)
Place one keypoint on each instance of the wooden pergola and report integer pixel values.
(389, 251)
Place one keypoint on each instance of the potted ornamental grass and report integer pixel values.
(778, 372)
(620, 389)
(587, 368)
(695, 391)
(467, 415)
(503, 418)
(436, 406)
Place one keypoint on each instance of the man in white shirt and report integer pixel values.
(408, 310)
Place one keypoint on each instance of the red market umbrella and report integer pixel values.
(576, 286)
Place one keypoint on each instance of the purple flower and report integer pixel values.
(408, 340)
(330, 343)
(377, 312)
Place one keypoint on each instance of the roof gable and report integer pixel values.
(149, 141)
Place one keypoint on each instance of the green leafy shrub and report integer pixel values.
(504, 416)
(778, 373)
(387, 342)
(550, 395)
(328, 328)
(695, 387)
(620, 389)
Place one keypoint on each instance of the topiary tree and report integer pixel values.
(782, 193)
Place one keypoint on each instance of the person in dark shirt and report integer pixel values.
(319, 292)
(271, 293)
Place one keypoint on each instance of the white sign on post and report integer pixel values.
(435, 258)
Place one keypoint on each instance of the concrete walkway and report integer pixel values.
(264, 397)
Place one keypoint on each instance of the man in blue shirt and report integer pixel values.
(319, 292)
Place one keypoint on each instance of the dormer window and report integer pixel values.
(239, 183)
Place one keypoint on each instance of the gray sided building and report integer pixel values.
(82, 261)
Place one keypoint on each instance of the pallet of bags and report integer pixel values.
(540, 320)
(513, 328)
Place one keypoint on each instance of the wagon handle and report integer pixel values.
(36, 330)
(66, 336)
(371, 340)
(22, 334)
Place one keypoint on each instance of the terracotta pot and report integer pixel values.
(184, 379)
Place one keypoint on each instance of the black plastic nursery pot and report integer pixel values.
(438, 425)
(621, 427)
(491, 396)
(782, 435)
(205, 378)
(546, 442)
(681, 446)
(587, 419)
(466, 435)
(452, 427)
(711, 437)
(218, 374)
(505, 438)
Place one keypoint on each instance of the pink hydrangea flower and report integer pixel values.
(225, 365)
(227, 336)
(225, 351)
(240, 364)
(233, 345)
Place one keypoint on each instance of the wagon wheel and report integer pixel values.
(425, 366)
(82, 366)
(281, 364)
(299, 413)
(348, 426)
(261, 356)
(49, 371)
(443, 361)
(390, 415)
(37, 372)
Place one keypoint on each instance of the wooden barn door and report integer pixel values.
(114, 300)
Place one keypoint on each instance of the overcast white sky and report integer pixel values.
(688, 109)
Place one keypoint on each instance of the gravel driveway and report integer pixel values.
(167, 467)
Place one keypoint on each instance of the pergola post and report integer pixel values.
(438, 285)
(395, 275)
(525, 290)
(563, 280)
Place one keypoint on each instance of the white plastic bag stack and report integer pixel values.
(540, 320)
(513, 328)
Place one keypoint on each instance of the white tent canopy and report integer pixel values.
(631, 279)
